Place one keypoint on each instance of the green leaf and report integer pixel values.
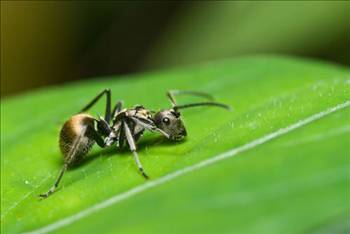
(285, 145)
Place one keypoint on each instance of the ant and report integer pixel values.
(82, 130)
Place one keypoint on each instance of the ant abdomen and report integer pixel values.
(75, 141)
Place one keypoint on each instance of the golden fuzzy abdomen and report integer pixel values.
(75, 137)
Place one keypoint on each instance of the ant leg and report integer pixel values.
(108, 104)
(55, 185)
(98, 138)
(103, 127)
(149, 125)
(172, 93)
(132, 146)
(117, 108)
(68, 160)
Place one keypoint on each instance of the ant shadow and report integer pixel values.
(113, 151)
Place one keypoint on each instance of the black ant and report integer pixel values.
(82, 130)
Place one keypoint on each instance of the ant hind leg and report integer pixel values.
(106, 92)
(71, 157)
(55, 185)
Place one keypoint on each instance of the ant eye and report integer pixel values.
(166, 120)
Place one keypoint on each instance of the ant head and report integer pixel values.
(170, 122)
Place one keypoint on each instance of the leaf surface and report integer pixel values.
(296, 182)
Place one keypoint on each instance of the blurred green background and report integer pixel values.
(51, 42)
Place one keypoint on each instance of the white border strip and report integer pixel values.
(228, 154)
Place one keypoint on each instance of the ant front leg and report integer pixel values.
(106, 92)
(132, 146)
(149, 125)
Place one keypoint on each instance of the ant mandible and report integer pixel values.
(82, 130)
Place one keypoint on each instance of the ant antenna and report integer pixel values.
(176, 108)
(172, 93)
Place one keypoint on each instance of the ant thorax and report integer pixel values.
(134, 118)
